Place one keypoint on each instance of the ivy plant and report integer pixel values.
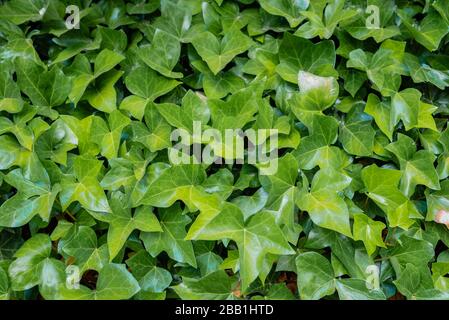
(350, 96)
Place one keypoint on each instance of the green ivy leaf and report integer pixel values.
(22, 11)
(171, 239)
(297, 54)
(416, 165)
(325, 207)
(315, 276)
(382, 187)
(45, 88)
(219, 52)
(194, 108)
(368, 231)
(108, 136)
(146, 84)
(83, 247)
(175, 183)
(10, 98)
(252, 238)
(33, 197)
(151, 278)
(429, 32)
(83, 186)
(290, 11)
(114, 283)
(357, 289)
(4, 285)
(215, 286)
(316, 150)
(162, 54)
(324, 25)
(122, 223)
(33, 266)
(382, 68)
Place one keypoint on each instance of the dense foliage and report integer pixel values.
(357, 208)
